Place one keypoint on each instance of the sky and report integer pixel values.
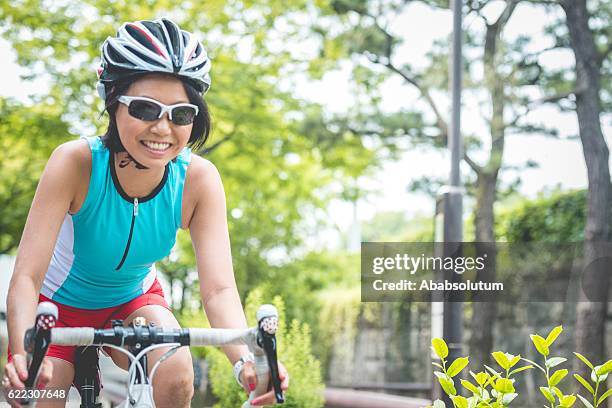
(561, 163)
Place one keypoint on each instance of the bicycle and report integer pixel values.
(141, 338)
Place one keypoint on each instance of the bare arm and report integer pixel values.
(210, 237)
(54, 194)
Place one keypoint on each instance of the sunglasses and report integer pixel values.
(148, 109)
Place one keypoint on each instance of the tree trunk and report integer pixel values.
(483, 313)
(591, 315)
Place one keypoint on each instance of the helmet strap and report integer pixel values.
(126, 162)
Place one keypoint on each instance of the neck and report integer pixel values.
(136, 180)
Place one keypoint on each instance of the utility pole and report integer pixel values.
(451, 200)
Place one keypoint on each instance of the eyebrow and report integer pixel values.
(155, 99)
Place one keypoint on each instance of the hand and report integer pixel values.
(248, 378)
(16, 373)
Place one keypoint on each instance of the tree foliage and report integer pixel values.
(29, 134)
(554, 219)
(275, 173)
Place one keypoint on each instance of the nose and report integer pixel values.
(162, 125)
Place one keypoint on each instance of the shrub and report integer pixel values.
(496, 389)
(294, 351)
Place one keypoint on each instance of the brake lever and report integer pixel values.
(266, 339)
(37, 340)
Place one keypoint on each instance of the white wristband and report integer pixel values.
(240, 364)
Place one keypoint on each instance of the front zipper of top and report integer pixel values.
(127, 246)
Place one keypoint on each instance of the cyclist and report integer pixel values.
(106, 208)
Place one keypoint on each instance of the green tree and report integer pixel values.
(365, 32)
(584, 28)
(591, 316)
(29, 134)
(273, 171)
(554, 219)
(395, 226)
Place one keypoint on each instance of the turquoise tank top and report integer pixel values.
(105, 254)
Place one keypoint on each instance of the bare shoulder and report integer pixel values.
(70, 167)
(203, 188)
(74, 154)
(202, 174)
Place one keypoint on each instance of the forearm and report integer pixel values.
(21, 311)
(224, 310)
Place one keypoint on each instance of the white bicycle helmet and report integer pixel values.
(153, 46)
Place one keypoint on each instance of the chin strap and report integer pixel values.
(125, 162)
(138, 165)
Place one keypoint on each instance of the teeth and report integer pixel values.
(156, 146)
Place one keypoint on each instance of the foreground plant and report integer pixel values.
(495, 389)
(551, 392)
(599, 374)
(491, 389)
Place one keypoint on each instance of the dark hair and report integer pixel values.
(201, 125)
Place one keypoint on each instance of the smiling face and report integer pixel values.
(155, 143)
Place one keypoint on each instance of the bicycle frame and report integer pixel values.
(141, 338)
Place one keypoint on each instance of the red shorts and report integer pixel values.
(98, 318)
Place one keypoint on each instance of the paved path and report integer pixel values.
(344, 398)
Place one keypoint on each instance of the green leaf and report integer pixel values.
(567, 401)
(557, 377)
(584, 360)
(540, 344)
(552, 336)
(598, 378)
(518, 370)
(460, 402)
(471, 387)
(480, 378)
(504, 386)
(547, 394)
(604, 396)
(585, 401)
(605, 369)
(439, 404)
(448, 386)
(557, 391)
(501, 359)
(513, 360)
(457, 365)
(440, 348)
(438, 365)
(555, 361)
(584, 383)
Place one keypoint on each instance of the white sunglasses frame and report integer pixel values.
(127, 100)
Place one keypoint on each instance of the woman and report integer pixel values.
(107, 208)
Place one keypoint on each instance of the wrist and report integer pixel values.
(240, 365)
